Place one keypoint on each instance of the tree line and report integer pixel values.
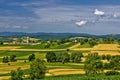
(63, 57)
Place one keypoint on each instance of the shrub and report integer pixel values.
(31, 57)
(112, 73)
(5, 59)
(12, 58)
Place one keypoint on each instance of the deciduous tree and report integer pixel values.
(51, 57)
(37, 69)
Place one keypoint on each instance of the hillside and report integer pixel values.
(54, 36)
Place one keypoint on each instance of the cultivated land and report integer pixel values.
(53, 69)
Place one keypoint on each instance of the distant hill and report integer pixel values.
(51, 36)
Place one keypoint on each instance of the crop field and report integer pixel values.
(8, 47)
(86, 45)
(49, 46)
(106, 47)
(56, 69)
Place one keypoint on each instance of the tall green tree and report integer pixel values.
(63, 57)
(37, 69)
(93, 65)
(51, 57)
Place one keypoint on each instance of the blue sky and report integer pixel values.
(73, 16)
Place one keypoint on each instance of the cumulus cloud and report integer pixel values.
(115, 16)
(98, 12)
(81, 23)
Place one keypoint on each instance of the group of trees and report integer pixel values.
(9, 59)
(76, 57)
(12, 58)
(63, 57)
(92, 42)
(106, 57)
(17, 74)
(114, 63)
(36, 72)
(108, 40)
(93, 64)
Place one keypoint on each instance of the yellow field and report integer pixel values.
(55, 72)
(106, 47)
(4, 68)
(9, 47)
(111, 49)
(107, 52)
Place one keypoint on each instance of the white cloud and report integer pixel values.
(115, 16)
(81, 23)
(17, 27)
(98, 12)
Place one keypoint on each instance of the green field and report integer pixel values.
(85, 45)
(83, 77)
(67, 71)
(49, 46)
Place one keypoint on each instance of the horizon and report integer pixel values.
(96, 17)
(59, 33)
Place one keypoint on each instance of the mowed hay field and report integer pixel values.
(106, 49)
(101, 49)
(9, 47)
(6, 69)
